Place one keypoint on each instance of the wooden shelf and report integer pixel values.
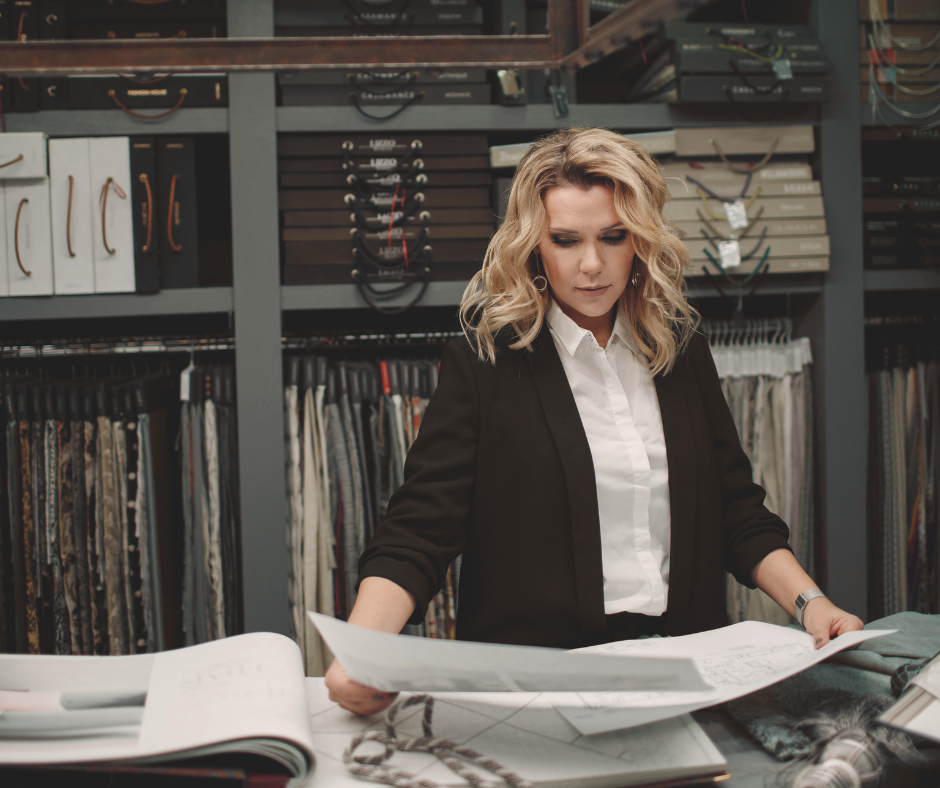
(303, 297)
(893, 119)
(534, 117)
(200, 300)
(783, 284)
(110, 122)
(916, 279)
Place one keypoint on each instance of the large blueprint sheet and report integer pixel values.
(735, 660)
(399, 662)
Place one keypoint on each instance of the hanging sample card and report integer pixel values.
(23, 155)
(179, 239)
(144, 199)
(29, 240)
(4, 263)
(737, 214)
(112, 229)
(401, 662)
(72, 215)
(729, 253)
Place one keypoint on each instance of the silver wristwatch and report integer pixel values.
(803, 600)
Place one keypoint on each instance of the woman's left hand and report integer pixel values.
(823, 620)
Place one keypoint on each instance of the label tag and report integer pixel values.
(559, 100)
(510, 82)
(184, 382)
(782, 68)
(730, 252)
(737, 214)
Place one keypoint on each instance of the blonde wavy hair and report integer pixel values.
(502, 294)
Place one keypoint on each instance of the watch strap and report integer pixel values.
(803, 600)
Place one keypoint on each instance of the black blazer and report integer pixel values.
(501, 472)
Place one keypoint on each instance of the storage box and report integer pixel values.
(756, 140)
(23, 155)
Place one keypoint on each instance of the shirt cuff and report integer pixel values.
(403, 574)
(751, 554)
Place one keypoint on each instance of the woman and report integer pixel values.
(578, 453)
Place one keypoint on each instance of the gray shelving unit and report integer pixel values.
(833, 316)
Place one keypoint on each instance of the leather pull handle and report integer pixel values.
(745, 170)
(146, 182)
(104, 210)
(16, 237)
(169, 217)
(140, 116)
(68, 219)
(12, 161)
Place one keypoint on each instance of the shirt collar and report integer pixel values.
(571, 334)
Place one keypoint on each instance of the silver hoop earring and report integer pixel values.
(635, 274)
(540, 282)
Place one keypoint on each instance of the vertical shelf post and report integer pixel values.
(840, 367)
(257, 304)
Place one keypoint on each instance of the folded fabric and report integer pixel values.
(917, 638)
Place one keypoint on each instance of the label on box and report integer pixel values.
(782, 68)
(737, 214)
(730, 252)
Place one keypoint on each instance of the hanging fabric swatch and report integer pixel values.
(119, 512)
(765, 377)
(349, 425)
(903, 437)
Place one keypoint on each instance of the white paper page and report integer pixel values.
(528, 737)
(235, 688)
(249, 686)
(399, 662)
(57, 674)
(736, 660)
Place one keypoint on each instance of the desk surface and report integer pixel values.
(749, 763)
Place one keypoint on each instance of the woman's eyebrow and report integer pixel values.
(575, 232)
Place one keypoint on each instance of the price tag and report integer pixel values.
(737, 214)
(730, 252)
(184, 382)
(782, 68)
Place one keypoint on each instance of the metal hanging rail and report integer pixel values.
(126, 346)
(570, 44)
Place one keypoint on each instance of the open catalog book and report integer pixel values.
(244, 702)
(242, 697)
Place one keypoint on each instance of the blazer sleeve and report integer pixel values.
(751, 531)
(424, 528)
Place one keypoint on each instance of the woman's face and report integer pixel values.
(587, 253)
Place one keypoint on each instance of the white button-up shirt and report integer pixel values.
(616, 397)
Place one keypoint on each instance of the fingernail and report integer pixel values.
(818, 641)
(378, 697)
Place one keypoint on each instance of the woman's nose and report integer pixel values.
(591, 262)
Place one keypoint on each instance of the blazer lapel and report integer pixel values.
(680, 454)
(564, 421)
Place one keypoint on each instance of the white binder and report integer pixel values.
(112, 228)
(73, 211)
(29, 237)
(4, 272)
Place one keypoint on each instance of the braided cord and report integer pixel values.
(449, 753)
(715, 216)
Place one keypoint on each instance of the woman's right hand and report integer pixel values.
(353, 696)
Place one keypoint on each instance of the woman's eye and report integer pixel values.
(615, 238)
(562, 240)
